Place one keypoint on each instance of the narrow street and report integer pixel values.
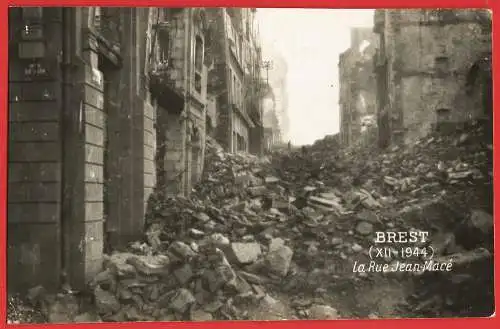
(184, 208)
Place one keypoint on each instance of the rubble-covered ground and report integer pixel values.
(277, 238)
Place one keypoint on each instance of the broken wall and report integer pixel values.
(218, 85)
(358, 86)
(429, 56)
(174, 165)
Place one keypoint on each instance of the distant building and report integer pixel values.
(427, 67)
(272, 131)
(357, 98)
(277, 79)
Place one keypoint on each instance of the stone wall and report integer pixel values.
(423, 93)
(227, 80)
(257, 140)
(179, 163)
(76, 190)
(429, 55)
(150, 150)
(198, 139)
(90, 233)
(150, 109)
(34, 159)
(174, 156)
(211, 113)
(218, 87)
(241, 128)
(358, 88)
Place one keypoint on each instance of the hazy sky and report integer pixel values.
(311, 41)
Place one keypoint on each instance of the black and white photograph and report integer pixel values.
(213, 164)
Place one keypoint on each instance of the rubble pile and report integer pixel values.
(19, 311)
(442, 184)
(189, 281)
(200, 277)
(467, 291)
(225, 174)
(438, 164)
(294, 224)
(326, 202)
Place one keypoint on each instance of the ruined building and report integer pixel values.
(358, 88)
(432, 68)
(276, 76)
(235, 83)
(105, 106)
(177, 74)
(272, 131)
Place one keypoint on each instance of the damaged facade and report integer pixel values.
(276, 77)
(177, 75)
(433, 67)
(106, 106)
(357, 97)
(272, 131)
(235, 81)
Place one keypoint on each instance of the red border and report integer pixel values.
(365, 324)
(265, 3)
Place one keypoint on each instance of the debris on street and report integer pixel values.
(253, 232)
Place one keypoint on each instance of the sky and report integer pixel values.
(311, 41)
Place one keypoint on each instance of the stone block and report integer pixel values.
(94, 97)
(94, 154)
(244, 253)
(279, 260)
(93, 211)
(106, 302)
(33, 213)
(33, 111)
(180, 251)
(41, 91)
(323, 312)
(94, 77)
(34, 192)
(184, 274)
(149, 138)
(149, 124)
(149, 180)
(34, 172)
(94, 135)
(149, 111)
(94, 192)
(34, 151)
(94, 116)
(33, 255)
(182, 301)
(200, 315)
(149, 167)
(93, 240)
(149, 152)
(94, 173)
